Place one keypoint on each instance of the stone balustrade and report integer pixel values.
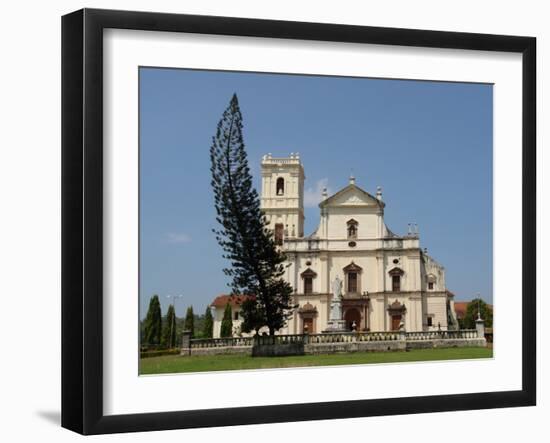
(352, 337)
(282, 339)
(221, 342)
(279, 345)
(267, 160)
(437, 335)
(333, 342)
(314, 244)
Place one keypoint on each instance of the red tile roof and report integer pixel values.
(234, 300)
(462, 306)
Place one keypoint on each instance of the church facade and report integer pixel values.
(388, 281)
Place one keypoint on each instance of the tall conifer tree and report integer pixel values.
(189, 324)
(208, 327)
(256, 263)
(169, 328)
(226, 329)
(153, 322)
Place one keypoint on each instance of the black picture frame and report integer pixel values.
(82, 216)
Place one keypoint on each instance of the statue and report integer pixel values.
(336, 323)
(337, 288)
(336, 303)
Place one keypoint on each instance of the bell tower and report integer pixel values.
(282, 198)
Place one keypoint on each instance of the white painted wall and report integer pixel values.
(329, 251)
(284, 206)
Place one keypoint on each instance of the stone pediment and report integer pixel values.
(352, 267)
(309, 273)
(308, 308)
(351, 195)
(397, 307)
(396, 271)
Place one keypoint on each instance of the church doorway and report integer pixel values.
(395, 322)
(308, 326)
(308, 314)
(352, 315)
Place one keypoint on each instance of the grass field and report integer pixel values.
(174, 363)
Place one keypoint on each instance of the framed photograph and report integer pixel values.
(269, 221)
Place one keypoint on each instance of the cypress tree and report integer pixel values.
(257, 265)
(169, 328)
(208, 327)
(226, 329)
(153, 322)
(189, 324)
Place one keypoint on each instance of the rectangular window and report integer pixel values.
(430, 285)
(279, 229)
(352, 282)
(430, 321)
(308, 285)
(396, 283)
(236, 315)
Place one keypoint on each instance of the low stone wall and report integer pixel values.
(447, 343)
(216, 346)
(368, 346)
(334, 343)
(278, 349)
(221, 350)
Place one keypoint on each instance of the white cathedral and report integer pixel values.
(388, 280)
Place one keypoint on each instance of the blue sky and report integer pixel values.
(428, 144)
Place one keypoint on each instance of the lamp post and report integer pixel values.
(478, 306)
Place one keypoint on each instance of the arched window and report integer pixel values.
(352, 228)
(280, 186)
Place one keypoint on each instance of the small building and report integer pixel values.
(388, 279)
(218, 308)
(460, 309)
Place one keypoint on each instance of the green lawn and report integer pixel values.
(172, 364)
